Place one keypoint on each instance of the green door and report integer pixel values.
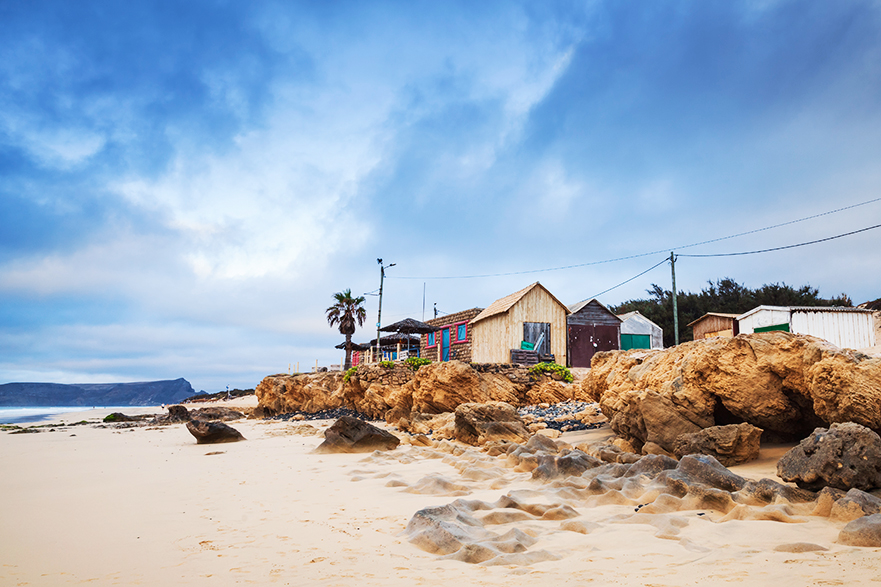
(783, 327)
(635, 341)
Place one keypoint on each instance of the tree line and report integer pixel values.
(726, 296)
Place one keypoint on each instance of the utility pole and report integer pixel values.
(382, 269)
(435, 309)
(675, 307)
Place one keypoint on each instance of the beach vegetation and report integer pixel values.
(349, 372)
(415, 362)
(387, 364)
(345, 313)
(554, 370)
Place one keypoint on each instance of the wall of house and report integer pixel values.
(494, 337)
(637, 324)
(713, 326)
(762, 319)
(852, 330)
(459, 350)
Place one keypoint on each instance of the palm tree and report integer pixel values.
(345, 312)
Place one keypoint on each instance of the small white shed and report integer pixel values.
(638, 332)
(851, 328)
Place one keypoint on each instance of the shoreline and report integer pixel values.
(122, 506)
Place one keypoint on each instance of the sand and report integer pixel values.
(139, 506)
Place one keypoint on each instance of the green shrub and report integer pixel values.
(416, 362)
(552, 369)
(387, 364)
(349, 373)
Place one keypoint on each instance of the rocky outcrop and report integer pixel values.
(479, 423)
(213, 432)
(785, 384)
(865, 531)
(396, 393)
(730, 445)
(845, 456)
(348, 435)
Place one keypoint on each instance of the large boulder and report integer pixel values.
(844, 456)
(865, 531)
(784, 383)
(348, 435)
(281, 394)
(213, 432)
(730, 445)
(477, 424)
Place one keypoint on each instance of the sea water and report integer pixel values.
(38, 414)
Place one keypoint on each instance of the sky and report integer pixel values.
(185, 185)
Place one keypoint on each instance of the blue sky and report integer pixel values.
(184, 185)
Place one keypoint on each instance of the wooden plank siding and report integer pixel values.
(591, 328)
(495, 335)
(714, 324)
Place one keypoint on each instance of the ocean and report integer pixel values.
(16, 415)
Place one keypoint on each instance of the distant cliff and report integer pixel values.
(146, 393)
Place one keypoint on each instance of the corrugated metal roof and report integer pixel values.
(791, 309)
(502, 305)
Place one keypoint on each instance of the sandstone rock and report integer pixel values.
(213, 432)
(177, 413)
(785, 384)
(216, 413)
(477, 424)
(855, 504)
(865, 531)
(304, 392)
(351, 435)
(730, 445)
(572, 464)
(844, 456)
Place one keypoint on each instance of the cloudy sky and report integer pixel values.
(184, 185)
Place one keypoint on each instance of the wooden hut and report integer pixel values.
(592, 328)
(530, 315)
(638, 332)
(714, 324)
(453, 340)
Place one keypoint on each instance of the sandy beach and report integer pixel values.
(148, 506)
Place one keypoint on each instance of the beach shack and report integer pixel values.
(715, 324)
(531, 319)
(452, 341)
(851, 328)
(591, 328)
(638, 332)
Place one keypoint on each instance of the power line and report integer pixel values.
(829, 238)
(665, 249)
(664, 260)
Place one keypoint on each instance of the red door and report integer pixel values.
(585, 340)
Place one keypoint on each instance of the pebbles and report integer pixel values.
(564, 416)
(323, 415)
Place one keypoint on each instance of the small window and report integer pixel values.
(430, 339)
(462, 332)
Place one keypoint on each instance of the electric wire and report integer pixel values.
(665, 249)
(822, 240)
(665, 259)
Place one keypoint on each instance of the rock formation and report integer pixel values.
(479, 423)
(396, 393)
(730, 445)
(350, 434)
(213, 432)
(865, 531)
(785, 384)
(845, 456)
